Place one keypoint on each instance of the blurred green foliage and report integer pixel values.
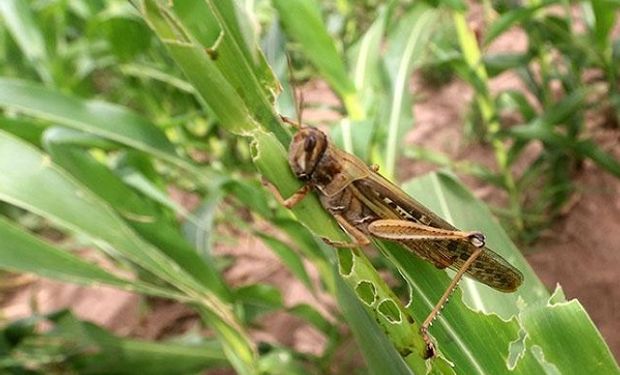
(107, 105)
(568, 73)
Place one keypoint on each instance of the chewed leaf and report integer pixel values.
(366, 292)
(567, 337)
(512, 330)
(460, 333)
(447, 197)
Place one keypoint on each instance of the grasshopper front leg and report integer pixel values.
(390, 229)
(291, 201)
(359, 238)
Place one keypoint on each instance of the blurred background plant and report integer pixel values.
(194, 88)
(568, 71)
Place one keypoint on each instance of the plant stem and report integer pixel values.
(486, 105)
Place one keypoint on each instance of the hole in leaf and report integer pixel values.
(390, 311)
(516, 350)
(366, 292)
(345, 262)
(254, 149)
(549, 367)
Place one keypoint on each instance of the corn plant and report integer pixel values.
(100, 123)
(556, 71)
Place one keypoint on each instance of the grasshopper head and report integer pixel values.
(305, 151)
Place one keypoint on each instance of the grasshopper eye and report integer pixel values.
(309, 143)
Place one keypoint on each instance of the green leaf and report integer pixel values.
(145, 71)
(459, 5)
(304, 239)
(236, 21)
(124, 32)
(567, 338)
(281, 362)
(516, 100)
(297, 18)
(198, 67)
(258, 299)
(106, 120)
(366, 62)
(74, 346)
(562, 110)
(24, 29)
(543, 127)
(445, 196)
(29, 179)
(406, 50)
(379, 353)
(260, 294)
(366, 72)
(603, 159)
(511, 18)
(462, 333)
(143, 215)
(22, 252)
(290, 258)
(200, 230)
(585, 148)
(321, 256)
(221, 26)
(26, 129)
(240, 101)
(274, 48)
(312, 316)
(499, 63)
(250, 194)
(605, 13)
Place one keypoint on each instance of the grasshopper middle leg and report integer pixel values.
(359, 238)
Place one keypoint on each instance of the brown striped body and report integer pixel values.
(349, 188)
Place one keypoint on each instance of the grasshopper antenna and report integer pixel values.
(300, 107)
(298, 98)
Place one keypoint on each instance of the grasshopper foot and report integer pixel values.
(430, 348)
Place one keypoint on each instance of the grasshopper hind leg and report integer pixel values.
(444, 298)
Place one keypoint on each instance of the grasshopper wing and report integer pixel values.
(489, 268)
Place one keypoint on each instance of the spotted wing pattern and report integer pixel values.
(489, 268)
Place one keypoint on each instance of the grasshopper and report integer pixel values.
(366, 205)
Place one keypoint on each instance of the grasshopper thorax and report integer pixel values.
(305, 152)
